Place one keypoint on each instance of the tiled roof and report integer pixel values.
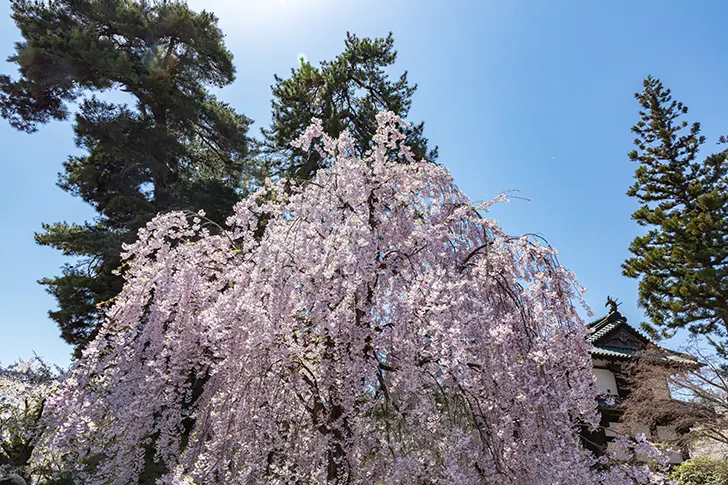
(612, 323)
(602, 328)
(612, 354)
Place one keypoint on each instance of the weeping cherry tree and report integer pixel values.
(380, 329)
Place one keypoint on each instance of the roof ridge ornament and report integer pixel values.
(613, 305)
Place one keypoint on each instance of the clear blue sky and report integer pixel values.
(534, 96)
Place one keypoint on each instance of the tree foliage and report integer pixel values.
(345, 94)
(24, 388)
(382, 330)
(701, 471)
(682, 260)
(689, 398)
(174, 146)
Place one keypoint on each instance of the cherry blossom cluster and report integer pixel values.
(24, 388)
(369, 326)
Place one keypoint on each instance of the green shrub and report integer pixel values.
(701, 471)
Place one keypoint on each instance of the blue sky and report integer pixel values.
(533, 96)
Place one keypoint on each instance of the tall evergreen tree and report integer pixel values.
(682, 260)
(175, 146)
(346, 94)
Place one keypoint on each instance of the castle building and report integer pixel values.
(615, 343)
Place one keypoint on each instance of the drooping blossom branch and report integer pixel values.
(370, 326)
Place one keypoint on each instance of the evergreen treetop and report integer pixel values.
(174, 147)
(346, 94)
(682, 260)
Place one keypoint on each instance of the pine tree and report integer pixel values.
(175, 146)
(346, 94)
(682, 260)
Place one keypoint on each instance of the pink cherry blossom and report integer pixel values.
(382, 330)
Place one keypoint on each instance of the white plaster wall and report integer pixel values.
(606, 381)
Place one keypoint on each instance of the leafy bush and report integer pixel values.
(701, 471)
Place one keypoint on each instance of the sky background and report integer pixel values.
(533, 96)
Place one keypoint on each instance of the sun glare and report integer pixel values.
(257, 9)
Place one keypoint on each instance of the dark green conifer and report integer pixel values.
(173, 146)
(682, 260)
(346, 94)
